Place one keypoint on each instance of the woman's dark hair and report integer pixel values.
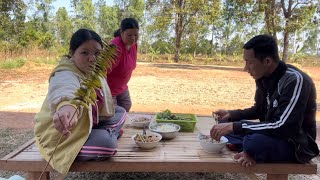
(263, 46)
(81, 36)
(127, 23)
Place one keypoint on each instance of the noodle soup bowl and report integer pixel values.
(147, 141)
(212, 146)
(167, 130)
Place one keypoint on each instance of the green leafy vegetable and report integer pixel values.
(167, 115)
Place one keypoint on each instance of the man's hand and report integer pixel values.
(221, 129)
(223, 115)
(62, 119)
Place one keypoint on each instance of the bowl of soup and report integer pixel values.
(210, 145)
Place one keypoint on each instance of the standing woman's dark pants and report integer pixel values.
(123, 100)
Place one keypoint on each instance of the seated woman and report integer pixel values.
(89, 133)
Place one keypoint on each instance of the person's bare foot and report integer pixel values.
(244, 159)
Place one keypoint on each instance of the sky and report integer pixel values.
(66, 3)
(61, 3)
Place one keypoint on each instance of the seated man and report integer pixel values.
(285, 105)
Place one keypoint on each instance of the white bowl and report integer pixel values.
(212, 146)
(147, 145)
(139, 120)
(167, 130)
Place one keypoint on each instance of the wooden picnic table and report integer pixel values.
(181, 154)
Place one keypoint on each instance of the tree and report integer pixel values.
(310, 43)
(297, 14)
(213, 16)
(198, 28)
(85, 14)
(63, 26)
(272, 20)
(108, 20)
(131, 8)
(12, 18)
(176, 16)
(41, 20)
(239, 21)
(158, 26)
(43, 9)
(10, 11)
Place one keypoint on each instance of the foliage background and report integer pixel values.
(179, 30)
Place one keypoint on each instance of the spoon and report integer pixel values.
(144, 130)
(216, 118)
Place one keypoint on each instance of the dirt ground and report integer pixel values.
(153, 87)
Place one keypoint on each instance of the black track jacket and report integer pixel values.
(285, 104)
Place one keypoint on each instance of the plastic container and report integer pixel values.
(187, 125)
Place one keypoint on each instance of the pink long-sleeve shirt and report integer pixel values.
(120, 73)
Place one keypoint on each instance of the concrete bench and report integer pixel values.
(182, 154)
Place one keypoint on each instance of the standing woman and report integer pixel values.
(119, 75)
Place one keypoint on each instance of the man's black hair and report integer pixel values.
(263, 46)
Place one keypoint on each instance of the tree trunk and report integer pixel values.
(318, 42)
(294, 48)
(285, 46)
(287, 14)
(179, 30)
(211, 42)
(267, 19)
(273, 21)
(270, 17)
(124, 9)
(178, 43)
(318, 49)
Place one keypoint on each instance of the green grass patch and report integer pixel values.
(12, 63)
